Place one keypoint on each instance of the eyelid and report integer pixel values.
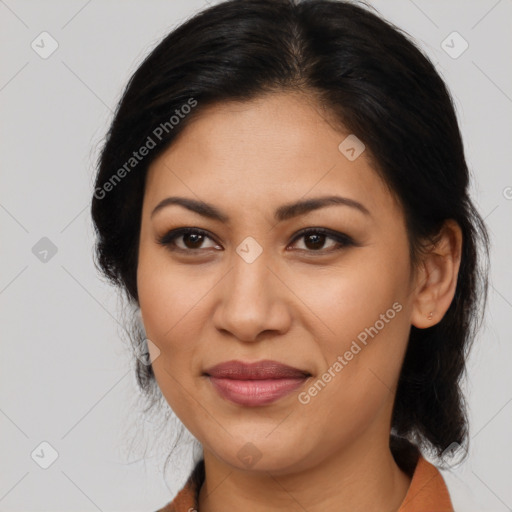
(169, 237)
(337, 236)
(343, 240)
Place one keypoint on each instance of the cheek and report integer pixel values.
(174, 303)
(362, 363)
(352, 298)
(364, 330)
(169, 294)
(166, 301)
(169, 302)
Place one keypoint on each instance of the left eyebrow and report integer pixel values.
(282, 213)
(290, 210)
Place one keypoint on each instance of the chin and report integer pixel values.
(260, 453)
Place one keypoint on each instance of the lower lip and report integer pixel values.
(255, 392)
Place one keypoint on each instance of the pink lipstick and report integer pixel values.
(255, 384)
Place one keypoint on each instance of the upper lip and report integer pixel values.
(266, 369)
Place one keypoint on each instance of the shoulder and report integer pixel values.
(427, 491)
(187, 498)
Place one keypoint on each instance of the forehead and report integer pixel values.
(281, 144)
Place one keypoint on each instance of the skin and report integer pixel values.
(295, 303)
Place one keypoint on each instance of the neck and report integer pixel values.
(361, 477)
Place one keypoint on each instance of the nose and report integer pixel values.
(252, 301)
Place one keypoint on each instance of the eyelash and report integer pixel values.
(343, 241)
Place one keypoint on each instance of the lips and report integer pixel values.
(254, 384)
(255, 371)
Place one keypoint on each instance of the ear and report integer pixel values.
(436, 279)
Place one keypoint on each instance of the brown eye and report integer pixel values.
(314, 240)
(191, 240)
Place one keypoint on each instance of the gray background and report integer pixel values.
(66, 374)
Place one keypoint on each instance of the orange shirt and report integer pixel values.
(427, 492)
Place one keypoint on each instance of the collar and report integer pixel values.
(426, 493)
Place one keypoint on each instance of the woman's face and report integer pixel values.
(249, 287)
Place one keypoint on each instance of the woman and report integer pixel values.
(283, 193)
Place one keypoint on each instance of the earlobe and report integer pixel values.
(438, 277)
